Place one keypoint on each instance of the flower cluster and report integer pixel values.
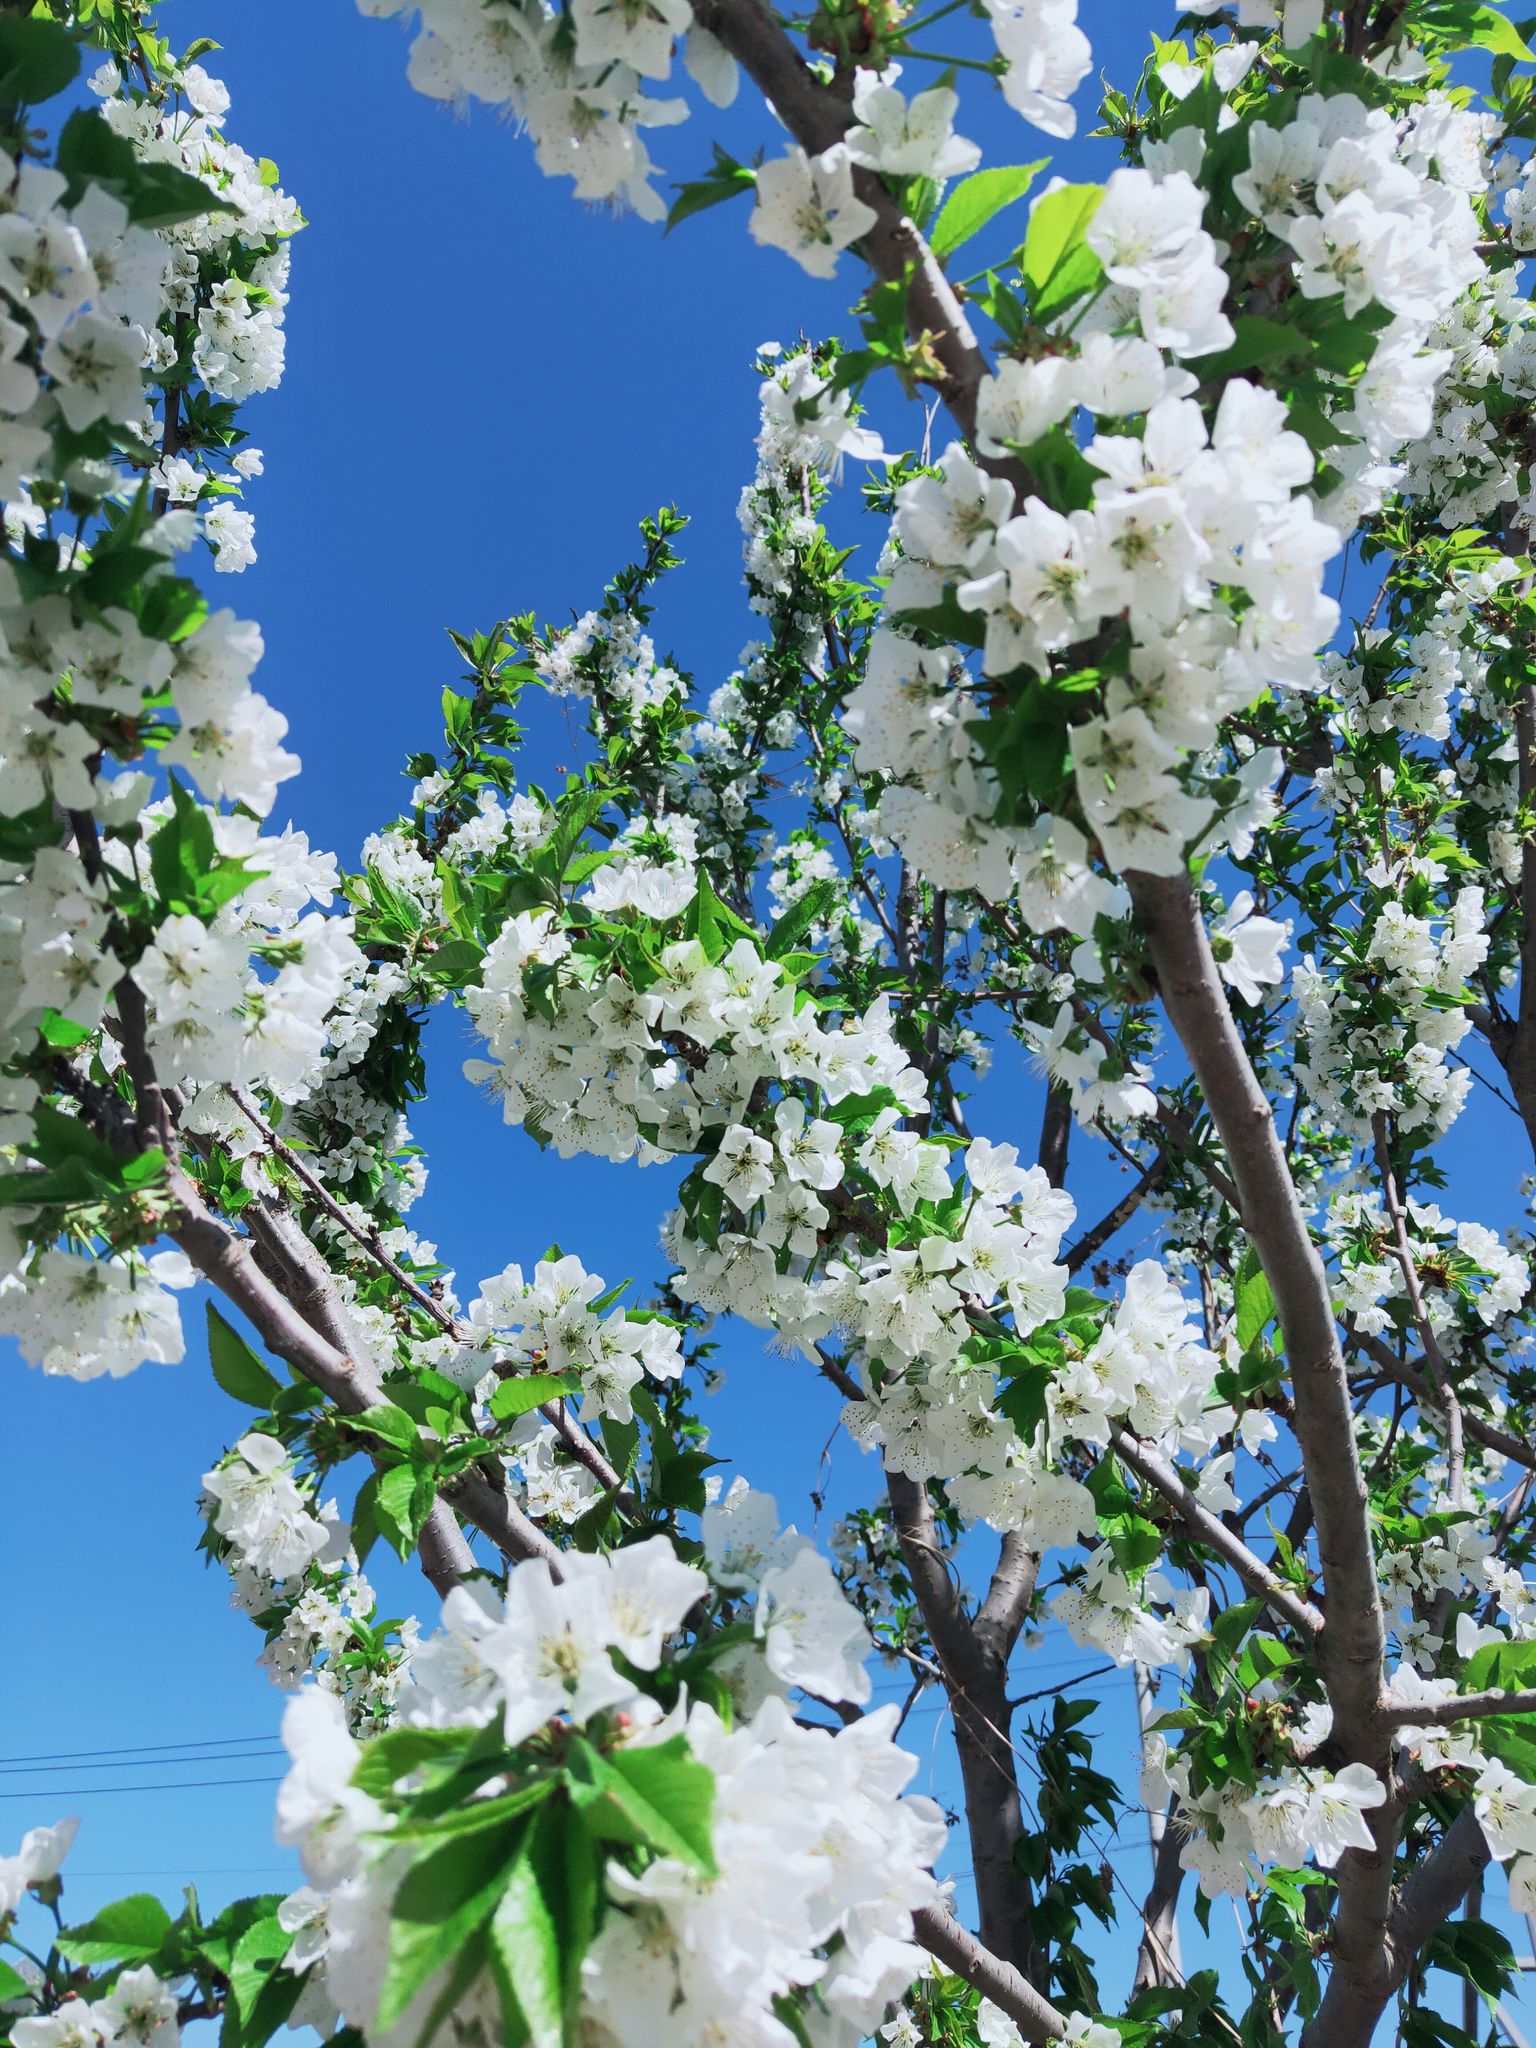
(262, 1512)
(554, 1323)
(1380, 1027)
(88, 1317)
(678, 1946)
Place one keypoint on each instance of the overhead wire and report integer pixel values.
(100, 1791)
(51, 1756)
(142, 1763)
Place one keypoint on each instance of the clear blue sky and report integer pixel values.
(487, 387)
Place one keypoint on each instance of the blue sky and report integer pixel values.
(488, 386)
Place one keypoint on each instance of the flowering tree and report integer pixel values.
(1092, 747)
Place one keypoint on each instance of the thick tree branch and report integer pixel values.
(445, 1557)
(1431, 1894)
(1159, 1912)
(1353, 1637)
(1034, 2016)
(1351, 1643)
(974, 1664)
(1350, 2009)
(1055, 1135)
(1007, 1601)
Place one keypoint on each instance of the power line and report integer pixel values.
(98, 1791)
(142, 1763)
(138, 1749)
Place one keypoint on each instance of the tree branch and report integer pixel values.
(1283, 1599)
(555, 1413)
(1519, 1060)
(1077, 1255)
(1431, 1894)
(895, 250)
(974, 1666)
(1466, 1706)
(1492, 1438)
(1159, 1912)
(1034, 2016)
(1352, 1641)
(227, 1261)
(1455, 1440)
(1353, 1636)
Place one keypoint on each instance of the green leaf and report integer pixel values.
(398, 1752)
(1057, 263)
(181, 852)
(531, 1390)
(1509, 1666)
(127, 1931)
(476, 1814)
(1233, 1624)
(402, 1504)
(1137, 1543)
(1461, 25)
(236, 1368)
(578, 812)
(1263, 1657)
(80, 1167)
(659, 1797)
(1177, 1718)
(1255, 1301)
(525, 1940)
(812, 908)
(1259, 344)
(1022, 1398)
(12, 1983)
(583, 1892)
(457, 961)
(37, 60)
(1510, 1739)
(713, 923)
(726, 179)
(63, 1032)
(163, 196)
(365, 1518)
(978, 199)
(90, 151)
(390, 1423)
(1477, 1951)
(444, 1898)
(1111, 1495)
(260, 1993)
(621, 1442)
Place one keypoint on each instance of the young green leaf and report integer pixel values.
(659, 1797)
(236, 1368)
(1255, 1301)
(128, 1931)
(531, 1390)
(978, 199)
(526, 1938)
(1057, 263)
(443, 1899)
